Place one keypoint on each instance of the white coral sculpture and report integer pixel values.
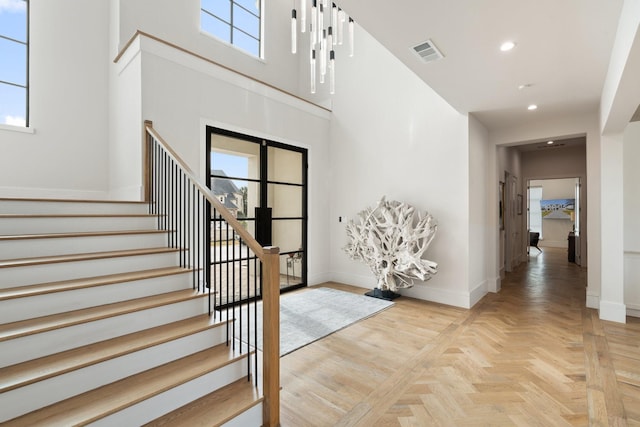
(391, 239)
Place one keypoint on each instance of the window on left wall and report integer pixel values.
(237, 22)
(14, 65)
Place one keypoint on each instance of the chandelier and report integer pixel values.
(326, 25)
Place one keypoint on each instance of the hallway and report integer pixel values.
(529, 355)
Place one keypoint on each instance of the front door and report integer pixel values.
(264, 184)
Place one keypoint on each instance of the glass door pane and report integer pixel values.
(285, 166)
(235, 182)
(285, 200)
(286, 195)
(263, 183)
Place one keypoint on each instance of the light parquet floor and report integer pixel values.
(530, 355)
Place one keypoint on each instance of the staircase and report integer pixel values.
(100, 325)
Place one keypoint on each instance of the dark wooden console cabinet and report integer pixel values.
(571, 251)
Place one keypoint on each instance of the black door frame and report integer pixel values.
(264, 183)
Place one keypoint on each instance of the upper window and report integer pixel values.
(237, 22)
(14, 60)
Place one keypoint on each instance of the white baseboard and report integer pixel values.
(631, 288)
(633, 310)
(318, 279)
(428, 293)
(613, 311)
(361, 281)
(494, 284)
(593, 301)
(51, 193)
(421, 291)
(478, 293)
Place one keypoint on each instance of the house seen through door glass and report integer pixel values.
(263, 184)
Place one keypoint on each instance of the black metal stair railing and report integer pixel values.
(225, 260)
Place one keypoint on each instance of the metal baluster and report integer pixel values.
(255, 308)
(229, 296)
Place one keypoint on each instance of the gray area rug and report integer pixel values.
(309, 315)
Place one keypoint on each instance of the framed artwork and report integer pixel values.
(558, 208)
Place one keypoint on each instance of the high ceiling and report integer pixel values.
(562, 51)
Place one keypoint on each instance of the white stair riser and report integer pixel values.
(174, 398)
(250, 418)
(66, 207)
(45, 343)
(41, 225)
(27, 248)
(33, 396)
(45, 273)
(17, 309)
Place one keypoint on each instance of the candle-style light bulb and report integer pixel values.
(351, 25)
(323, 56)
(320, 22)
(313, 71)
(314, 22)
(341, 18)
(303, 16)
(332, 72)
(294, 29)
(334, 20)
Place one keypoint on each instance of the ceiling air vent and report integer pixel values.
(427, 51)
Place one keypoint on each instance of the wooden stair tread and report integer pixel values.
(111, 398)
(29, 372)
(214, 409)
(31, 199)
(70, 318)
(87, 282)
(79, 234)
(74, 215)
(22, 262)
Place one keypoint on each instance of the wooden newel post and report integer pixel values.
(271, 336)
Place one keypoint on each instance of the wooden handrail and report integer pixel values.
(270, 257)
(247, 238)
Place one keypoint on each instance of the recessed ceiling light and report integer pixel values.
(532, 107)
(525, 86)
(549, 142)
(507, 46)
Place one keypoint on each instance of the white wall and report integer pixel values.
(66, 154)
(621, 93)
(632, 218)
(631, 188)
(480, 222)
(178, 22)
(125, 133)
(620, 98)
(391, 135)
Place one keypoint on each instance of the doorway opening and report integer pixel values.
(264, 185)
(553, 216)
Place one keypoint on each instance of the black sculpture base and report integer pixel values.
(385, 295)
